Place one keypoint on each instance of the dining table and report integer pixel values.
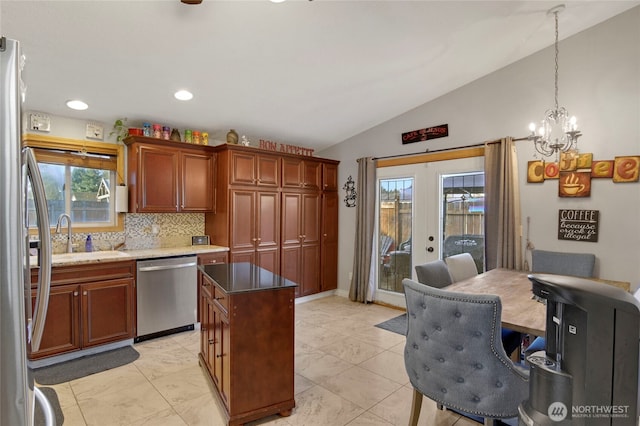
(520, 310)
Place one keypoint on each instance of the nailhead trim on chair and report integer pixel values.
(456, 364)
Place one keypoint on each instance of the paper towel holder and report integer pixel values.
(122, 199)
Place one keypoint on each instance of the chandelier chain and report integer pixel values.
(557, 51)
(559, 132)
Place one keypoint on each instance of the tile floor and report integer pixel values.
(348, 372)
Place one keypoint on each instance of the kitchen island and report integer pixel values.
(247, 339)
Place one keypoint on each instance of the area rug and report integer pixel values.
(81, 367)
(38, 414)
(396, 325)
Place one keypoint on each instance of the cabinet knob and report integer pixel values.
(219, 355)
(212, 261)
(84, 293)
(75, 293)
(254, 239)
(218, 298)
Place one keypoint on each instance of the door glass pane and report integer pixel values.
(395, 226)
(463, 216)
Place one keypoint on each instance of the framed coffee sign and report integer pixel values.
(578, 225)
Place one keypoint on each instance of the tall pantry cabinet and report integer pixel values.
(278, 211)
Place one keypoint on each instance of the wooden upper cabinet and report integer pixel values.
(197, 181)
(157, 185)
(329, 177)
(301, 173)
(168, 177)
(249, 168)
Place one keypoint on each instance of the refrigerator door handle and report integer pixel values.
(44, 275)
(49, 415)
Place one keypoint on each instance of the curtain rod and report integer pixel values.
(427, 151)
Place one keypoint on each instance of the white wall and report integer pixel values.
(599, 80)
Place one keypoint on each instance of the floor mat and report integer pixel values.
(396, 325)
(81, 367)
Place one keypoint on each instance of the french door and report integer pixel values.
(427, 211)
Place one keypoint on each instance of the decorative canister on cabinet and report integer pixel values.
(232, 137)
(205, 138)
(175, 135)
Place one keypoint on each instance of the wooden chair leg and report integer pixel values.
(416, 405)
(489, 422)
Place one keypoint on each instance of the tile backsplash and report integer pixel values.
(141, 231)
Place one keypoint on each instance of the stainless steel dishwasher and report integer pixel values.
(166, 296)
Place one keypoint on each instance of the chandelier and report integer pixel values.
(558, 131)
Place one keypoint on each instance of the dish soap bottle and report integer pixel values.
(88, 245)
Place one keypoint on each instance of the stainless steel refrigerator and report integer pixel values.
(20, 182)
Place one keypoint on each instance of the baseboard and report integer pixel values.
(43, 362)
(316, 296)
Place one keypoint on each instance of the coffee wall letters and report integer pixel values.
(574, 172)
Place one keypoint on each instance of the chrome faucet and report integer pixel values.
(59, 225)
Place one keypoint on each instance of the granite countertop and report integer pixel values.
(79, 258)
(244, 277)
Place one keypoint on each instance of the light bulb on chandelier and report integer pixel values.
(558, 131)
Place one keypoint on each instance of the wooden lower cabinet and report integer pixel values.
(89, 305)
(247, 350)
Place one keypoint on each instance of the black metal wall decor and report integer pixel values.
(350, 187)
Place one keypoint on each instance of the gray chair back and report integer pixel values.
(434, 274)
(461, 266)
(454, 355)
(554, 262)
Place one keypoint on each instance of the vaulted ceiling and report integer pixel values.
(311, 73)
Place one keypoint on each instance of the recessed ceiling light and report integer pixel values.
(77, 105)
(277, 1)
(183, 95)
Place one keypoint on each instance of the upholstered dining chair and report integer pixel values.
(434, 274)
(555, 262)
(461, 266)
(454, 356)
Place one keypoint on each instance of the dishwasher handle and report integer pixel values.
(165, 267)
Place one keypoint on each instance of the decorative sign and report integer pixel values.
(574, 172)
(434, 132)
(578, 225)
(281, 147)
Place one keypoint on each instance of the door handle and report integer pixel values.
(430, 249)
